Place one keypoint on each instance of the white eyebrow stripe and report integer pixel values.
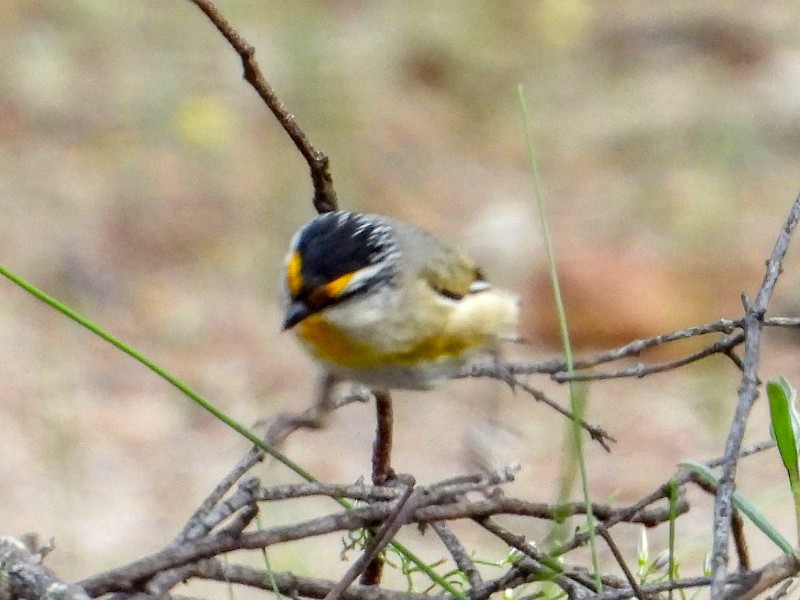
(479, 286)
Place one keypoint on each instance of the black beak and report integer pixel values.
(295, 312)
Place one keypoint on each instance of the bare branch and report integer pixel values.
(458, 552)
(280, 426)
(557, 369)
(399, 517)
(723, 346)
(748, 392)
(318, 162)
(175, 556)
(621, 562)
(291, 585)
(597, 433)
(209, 516)
(544, 565)
(629, 350)
(24, 577)
(740, 541)
(488, 507)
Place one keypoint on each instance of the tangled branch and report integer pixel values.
(223, 522)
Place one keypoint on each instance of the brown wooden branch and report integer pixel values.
(541, 563)
(280, 426)
(318, 162)
(178, 555)
(184, 560)
(401, 515)
(293, 586)
(615, 551)
(460, 555)
(557, 368)
(722, 346)
(742, 586)
(382, 472)
(631, 349)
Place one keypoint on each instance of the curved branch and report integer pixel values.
(318, 162)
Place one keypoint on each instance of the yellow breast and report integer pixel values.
(330, 343)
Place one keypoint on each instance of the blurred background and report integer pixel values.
(143, 183)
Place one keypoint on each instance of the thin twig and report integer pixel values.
(638, 509)
(405, 508)
(557, 368)
(436, 493)
(280, 426)
(739, 540)
(723, 346)
(604, 533)
(513, 506)
(318, 162)
(744, 453)
(737, 523)
(208, 515)
(631, 349)
(598, 434)
(458, 552)
(748, 392)
(782, 322)
(296, 586)
(624, 514)
(547, 567)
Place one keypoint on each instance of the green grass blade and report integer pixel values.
(202, 402)
(784, 418)
(162, 373)
(673, 516)
(576, 398)
(750, 511)
(267, 566)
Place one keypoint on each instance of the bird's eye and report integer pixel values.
(323, 295)
(319, 297)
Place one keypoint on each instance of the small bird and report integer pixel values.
(381, 302)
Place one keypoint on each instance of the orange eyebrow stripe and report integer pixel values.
(335, 287)
(294, 279)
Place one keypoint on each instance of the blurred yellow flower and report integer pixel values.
(204, 121)
(564, 23)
